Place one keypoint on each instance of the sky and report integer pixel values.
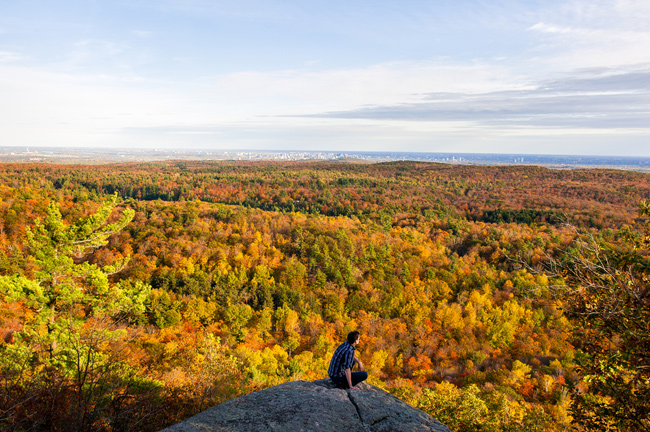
(466, 76)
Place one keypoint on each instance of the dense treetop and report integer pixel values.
(234, 276)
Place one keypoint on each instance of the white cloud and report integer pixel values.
(10, 57)
(294, 91)
(44, 108)
(594, 34)
(143, 33)
(599, 99)
(95, 52)
(548, 28)
(96, 91)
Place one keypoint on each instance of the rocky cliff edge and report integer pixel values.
(303, 406)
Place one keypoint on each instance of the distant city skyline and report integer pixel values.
(516, 77)
(81, 155)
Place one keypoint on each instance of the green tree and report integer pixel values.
(64, 370)
(237, 316)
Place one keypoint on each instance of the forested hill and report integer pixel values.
(202, 281)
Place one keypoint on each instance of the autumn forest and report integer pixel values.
(495, 298)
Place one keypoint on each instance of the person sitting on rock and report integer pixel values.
(340, 370)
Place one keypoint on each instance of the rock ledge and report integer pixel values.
(303, 406)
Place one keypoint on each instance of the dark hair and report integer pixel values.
(353, 336)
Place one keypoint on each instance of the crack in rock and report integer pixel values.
(365, 426)
(310, 407)
(349, 392)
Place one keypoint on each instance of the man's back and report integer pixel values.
(342, 359)
(340, 368)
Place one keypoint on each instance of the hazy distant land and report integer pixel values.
(111, 155)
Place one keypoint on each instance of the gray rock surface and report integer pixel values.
(303, 406)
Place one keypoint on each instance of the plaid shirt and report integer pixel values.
(342, 359)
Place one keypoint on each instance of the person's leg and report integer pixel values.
(340, 382)
(358, 377)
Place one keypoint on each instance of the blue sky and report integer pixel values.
(554, 77)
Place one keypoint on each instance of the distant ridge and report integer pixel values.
(112, 155)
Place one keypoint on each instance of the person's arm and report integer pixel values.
(359, 362)
(348, 375)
